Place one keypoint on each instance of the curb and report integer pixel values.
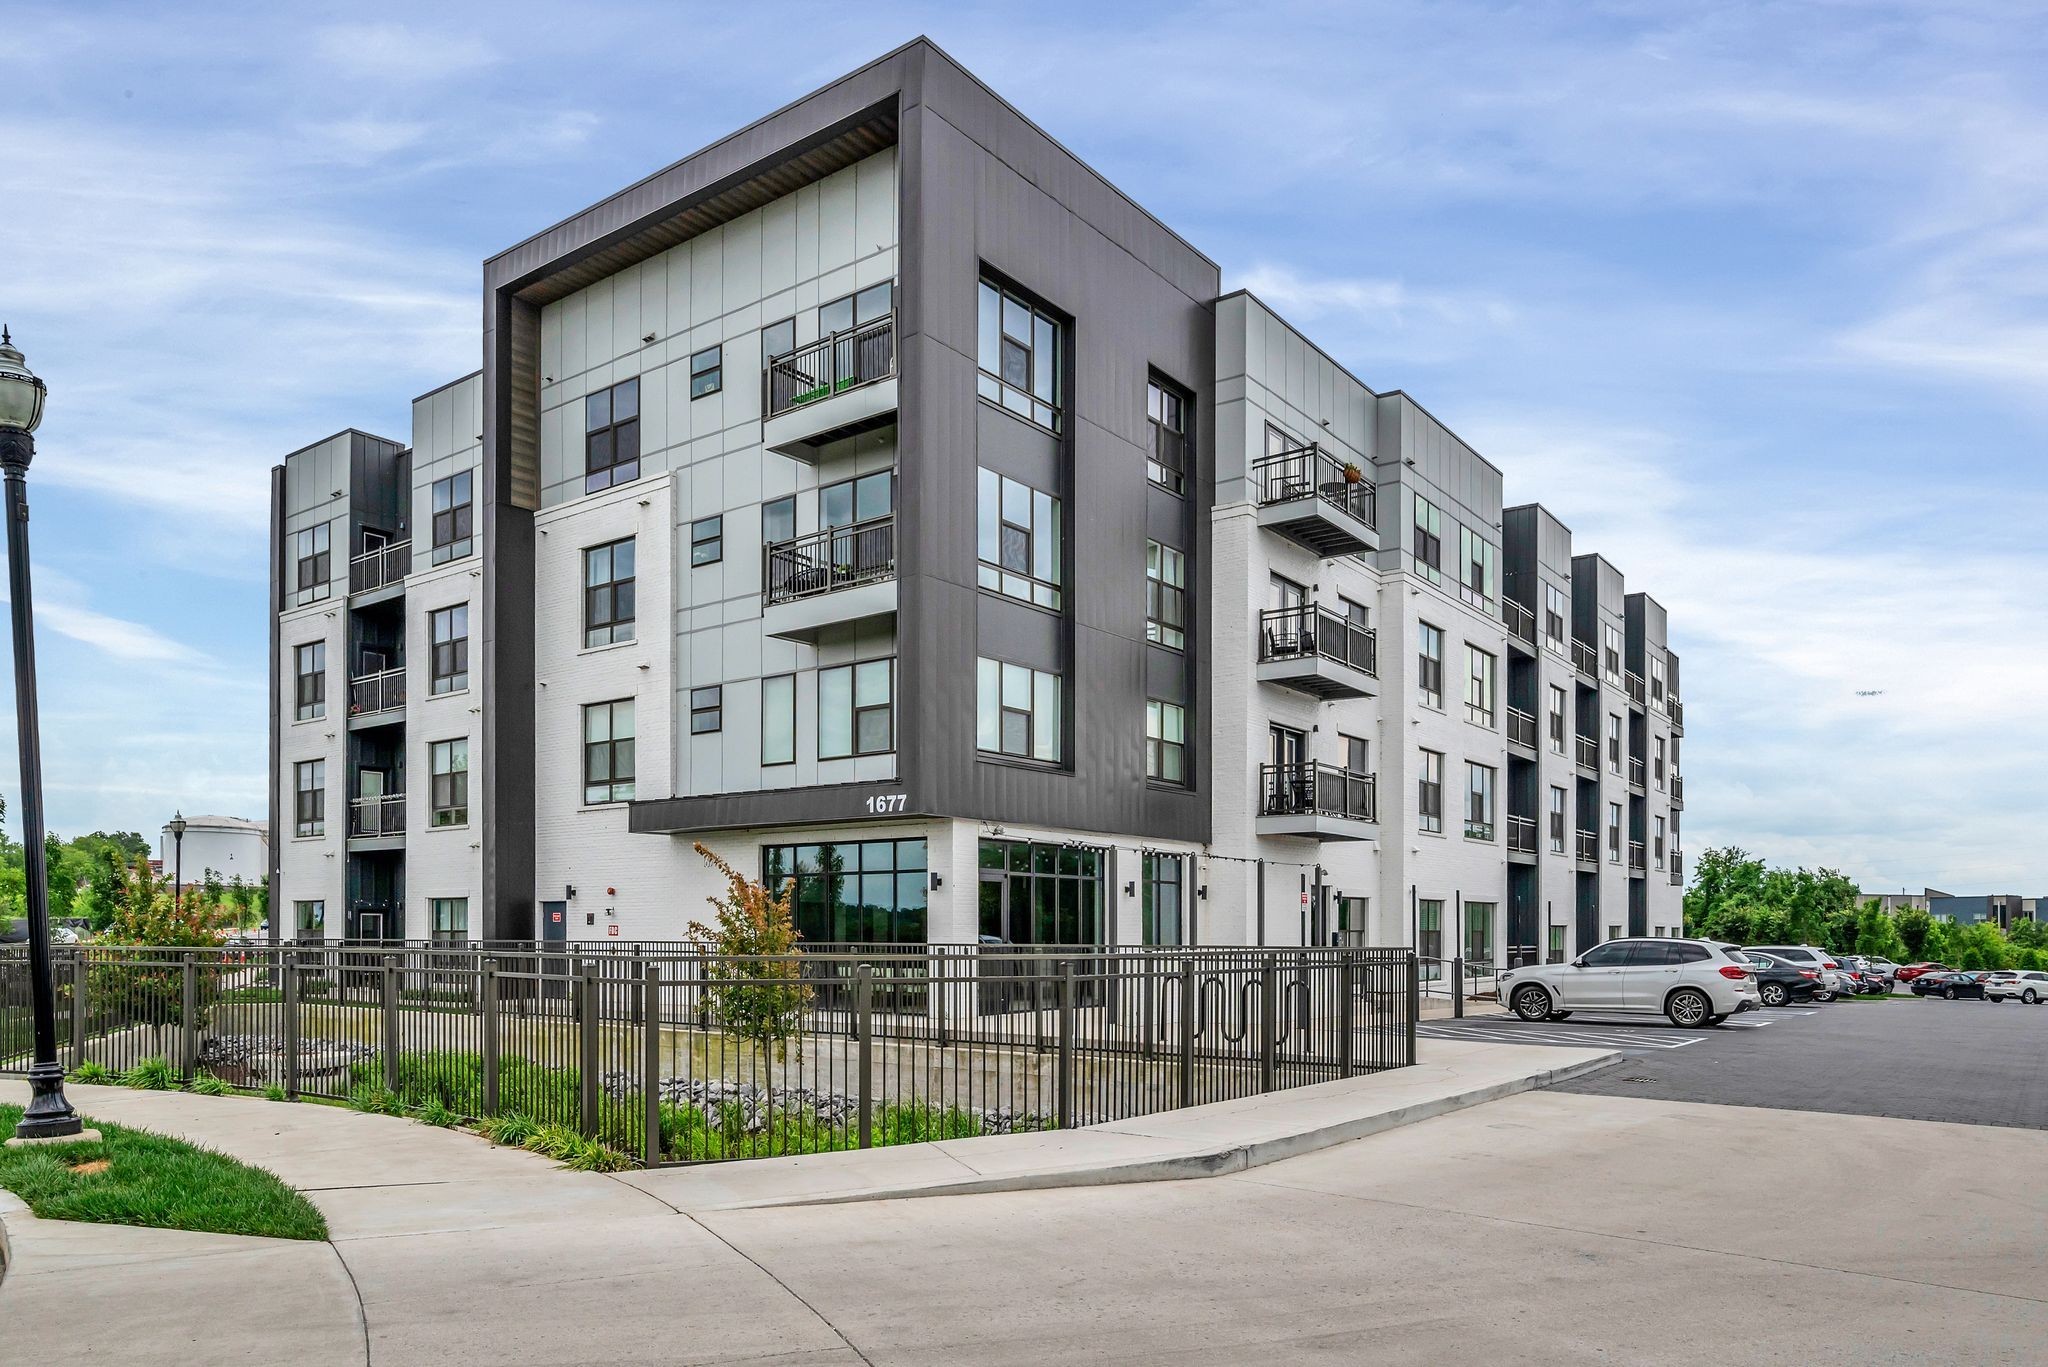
(10, 1204)
(1215, 1162)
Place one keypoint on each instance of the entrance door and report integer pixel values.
(554, 936)
(369, 925)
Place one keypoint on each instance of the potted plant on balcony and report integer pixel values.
(1352, 473)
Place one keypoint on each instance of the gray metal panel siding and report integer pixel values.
(504, 632)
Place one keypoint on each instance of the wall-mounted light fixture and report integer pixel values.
(1130, 889)
(569, 892)
(1202, 893)
(937, 882)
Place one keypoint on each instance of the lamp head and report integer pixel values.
(21, 393)
(177, 826)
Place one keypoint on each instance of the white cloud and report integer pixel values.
(400, 54)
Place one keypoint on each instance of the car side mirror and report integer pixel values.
(1578, 963)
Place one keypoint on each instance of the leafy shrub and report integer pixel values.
(576, 1151)
(435, 1114)
(275, 1092)
(89, 1071)
(206, 1084)
(151, 1075)
(512, 1129)
(373, 1098)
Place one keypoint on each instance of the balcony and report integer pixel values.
(834, 387)
(1522, 730)
(828, 578)
(1638, 691)
(377, 696)
(1522, 836)
(1636, 770)
(1677, 789)
(381, 568)
(1312, 498)
(1314, 651)
(1586, 750)
(1520, 622)
(1320, 801)
(377, 818)
(1586, 847)
(1637, 859)
(1677, 869)
(1677, 710)
(1586, 660)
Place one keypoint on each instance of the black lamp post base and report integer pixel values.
(49, 1114)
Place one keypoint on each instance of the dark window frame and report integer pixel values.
(707, 549)
(613, 746)
(611, 605)
(448, 656)
(707, 371)
(1021, 394)
(453, 521)
(1159, 749)
(1165, 602)
(309, 801)
(604, 466)
(1168, 447)
(313, 572)
(309, 686)
(707, 710)
(448, 789)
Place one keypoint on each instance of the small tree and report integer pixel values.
(755, 970)
(1914, 926)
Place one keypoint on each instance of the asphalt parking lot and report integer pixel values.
(1966, 1061)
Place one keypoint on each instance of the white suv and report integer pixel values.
(1693, 982)
(2029, 985)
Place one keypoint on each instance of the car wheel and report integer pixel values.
(1993, 1000)
(1774, 994)
(1688, 1008)
(1948, 994)
(1823, 996)
(1532, 1003)
(2030, 997)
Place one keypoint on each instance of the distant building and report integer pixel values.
(229, 847)
(2000, 908)
(1895, 902)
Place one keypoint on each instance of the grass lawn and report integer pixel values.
(133, 1177)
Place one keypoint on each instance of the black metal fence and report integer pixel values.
(831, 365)
(671, 1054)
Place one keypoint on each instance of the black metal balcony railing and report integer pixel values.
(1522, 835)
(373, 816)
(1636, 855)
(1677, 710)
(1587, 846)
(1585, 659)
(1588, 752)
(1294, 633)
(1635, 770)
(1638, 691)
(831, 365)
(1677, 787)
(835, 558)
(375, 569)
(383, 692)
(1521, 728)
(1308, 789)
(1520, 620)
(1677, 869)
(1311, 472)
(1477, 829)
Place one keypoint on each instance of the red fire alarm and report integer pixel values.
(612, 929)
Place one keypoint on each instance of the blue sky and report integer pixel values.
(1755, 297)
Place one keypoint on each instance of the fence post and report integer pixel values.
(388, 997)
(1346, 1015)
(1458, 986)
(864, 1032)
(1065, 1078)
(290, 970)
(944, 987)
(587, 1065)
(188, 1051)
(1187, 1031)
(1414, 995)
(78, 967)
(650, 1065)
(1269, 1021)
(489, 991)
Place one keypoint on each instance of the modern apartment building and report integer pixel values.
(884, 500)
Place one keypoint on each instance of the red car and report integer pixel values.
(1912, 971)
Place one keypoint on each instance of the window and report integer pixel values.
(1657, 680)
(1479, 568)
(454, 516)
(309, 688)
(608, 593)
(1020, 356)
(1428, 546)
(309, 797)
(448, 662)
(1429, 793)
(707, 372)
(856, 310)
(1556, 955)
(1556, 719)
(1553, 618)
(448, 785)
(707, 540)
(778, 719)
(1479, 932)
(1054, 892)
(611, 436)
(1162, 902)
(1614, 956)
(1658, 755)
(1657, 840)
(1429, 664)
(310, 917)
(1357, 755)
(1165, 742)
(857, 500)
(868, 892)
(1557, 821)
(315, 563)
(1429, 934)
(778, 520)
(1479, 685)
(1353, 913)
(777, 341)
(856, 713)
(1166, 459)
(1018, 535)
(1165, 595)
(1611, 654)
(1613, 743)
(1478, 801)
(1017, 711)
(707, 710)
(1614, 832)
(608, 751)
(451, 919)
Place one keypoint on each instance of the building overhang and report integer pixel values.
(769, 808)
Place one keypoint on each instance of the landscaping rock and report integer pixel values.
(758, 1106)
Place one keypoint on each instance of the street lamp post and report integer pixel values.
(49, 1114)
(178, 865)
